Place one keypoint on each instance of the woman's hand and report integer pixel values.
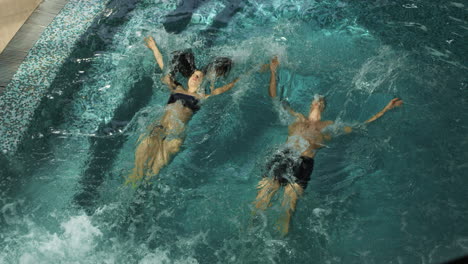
(395, 102)
(150, 43)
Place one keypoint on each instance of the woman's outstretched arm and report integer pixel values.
(151, 44)
(167, 79)
(224, 88)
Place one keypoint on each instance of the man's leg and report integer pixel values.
(267, 189)
(292, 192)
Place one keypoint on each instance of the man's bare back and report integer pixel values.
(304, 130)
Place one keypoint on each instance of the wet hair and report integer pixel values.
(221, 65)
(183, 61)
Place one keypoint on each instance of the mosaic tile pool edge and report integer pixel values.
(35, 75)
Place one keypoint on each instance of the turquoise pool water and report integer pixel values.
(392, 192)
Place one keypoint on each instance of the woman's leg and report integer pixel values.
(154, 152)
(145, 155)
(267, 189)
(167, 150)
(292, 192)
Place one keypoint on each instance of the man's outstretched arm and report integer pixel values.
(291, 111)
(273, 66)
(392, 104)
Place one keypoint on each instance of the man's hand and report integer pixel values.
(348, 129)
(392, 104)
(150, 43)
(395, 102)
(274, 64)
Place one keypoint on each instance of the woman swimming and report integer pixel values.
(156, 148)
(292, 165)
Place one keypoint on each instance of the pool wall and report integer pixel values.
(24, 92)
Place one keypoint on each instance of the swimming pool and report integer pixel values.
(393, 192)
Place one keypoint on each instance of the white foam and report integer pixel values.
(378, 70)
(161, 257)
(74, 245)
(319, 212)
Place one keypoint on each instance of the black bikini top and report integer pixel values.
(186, 100)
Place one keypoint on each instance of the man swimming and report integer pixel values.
(292, 166)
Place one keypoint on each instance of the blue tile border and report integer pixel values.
(35, 75)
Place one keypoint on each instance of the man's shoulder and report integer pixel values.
(325, 124)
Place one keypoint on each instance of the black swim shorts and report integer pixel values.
(285, 164)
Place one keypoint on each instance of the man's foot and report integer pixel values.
(282, 225)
